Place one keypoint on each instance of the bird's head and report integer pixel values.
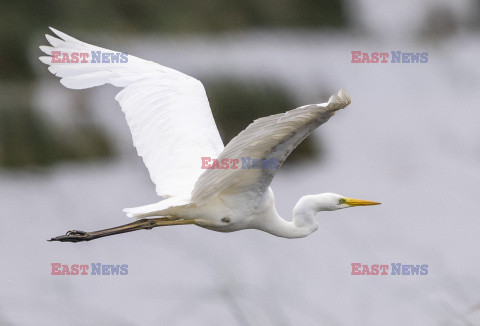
(332, 202)
(306, 208)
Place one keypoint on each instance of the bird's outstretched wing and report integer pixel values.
(270, 139)
(167, 111)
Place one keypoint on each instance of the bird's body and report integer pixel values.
(173, 130)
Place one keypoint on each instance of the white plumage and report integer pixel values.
(172, 128)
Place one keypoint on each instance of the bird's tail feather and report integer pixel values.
(158, 209)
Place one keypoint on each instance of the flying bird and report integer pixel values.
(173, 129)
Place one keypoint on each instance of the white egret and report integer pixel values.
(172, 128)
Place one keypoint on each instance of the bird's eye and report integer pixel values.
(341, 201)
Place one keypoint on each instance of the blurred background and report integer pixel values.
(410, 139)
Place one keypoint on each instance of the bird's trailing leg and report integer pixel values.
(143, 224)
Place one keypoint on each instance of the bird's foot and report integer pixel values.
(72, 236)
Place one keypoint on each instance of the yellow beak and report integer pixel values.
(359, 202)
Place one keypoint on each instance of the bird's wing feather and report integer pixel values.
(167, 111)
(270, 138)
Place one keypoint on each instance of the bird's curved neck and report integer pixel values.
(302, 224)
